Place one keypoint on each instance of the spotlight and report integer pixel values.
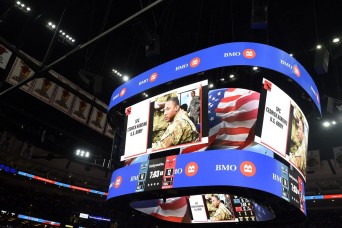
(319, 46)
(333, 122)
(336, 40)
(211, 85)
(326, 124)
(255, 68)
(125, 78)
(232, 76)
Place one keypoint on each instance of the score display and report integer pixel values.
(244, 169)
(244, 209)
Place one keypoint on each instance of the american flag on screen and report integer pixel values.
(232, 114)
(172, 209)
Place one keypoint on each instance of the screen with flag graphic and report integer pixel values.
(232, 114)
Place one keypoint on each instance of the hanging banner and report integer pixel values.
(97, 119)
(18, 73)
(64, 99)
(81, 109)
(5, 55)
(44, 89)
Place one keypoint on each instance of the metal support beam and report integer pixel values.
(42, 70)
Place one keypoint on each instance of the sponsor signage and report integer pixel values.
(229, 54)
(212, 168)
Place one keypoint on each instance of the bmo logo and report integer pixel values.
(195, 62)
(249, 53)
(123, 91)
(153, 77)
(191, 169)
(296, 70)
(247, 168)
(118, 182)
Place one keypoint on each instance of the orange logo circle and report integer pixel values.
(249, 53)
(123, 91)
(247, 168)
(296, 71)
(191, 169)
(118, 182)
(195, 62)
(153, 77)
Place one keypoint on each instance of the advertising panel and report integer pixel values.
(212, 168)
(229, 54)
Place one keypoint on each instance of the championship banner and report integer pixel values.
(5, 55)
(98, 119)
(229, 54)
(281, 126)
(81, 109)
(313, 162)
(18, 73)
(109, 131)
(64, 99)
(338, 159)
(44, 89)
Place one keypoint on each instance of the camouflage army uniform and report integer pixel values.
(180, 130)
(222, 213)
(194, 108)
(159, 124)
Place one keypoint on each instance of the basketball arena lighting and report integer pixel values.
(64, 37)
(118, 73)
(318, 46)
(82, 153)
(23, 7)
(336, 40)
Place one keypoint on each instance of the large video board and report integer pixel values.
(252, 141)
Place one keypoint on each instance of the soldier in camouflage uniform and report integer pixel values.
(180, 129)
(159, 124)
(194, 107)
(221, 213)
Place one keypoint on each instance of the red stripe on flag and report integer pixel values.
(240, 102)
(233, 131)
(168, 218)
(179, 203)
(243, 116)
(220, 142)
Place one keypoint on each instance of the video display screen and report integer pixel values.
(212, 208)
(282, 126)
(173, 119)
